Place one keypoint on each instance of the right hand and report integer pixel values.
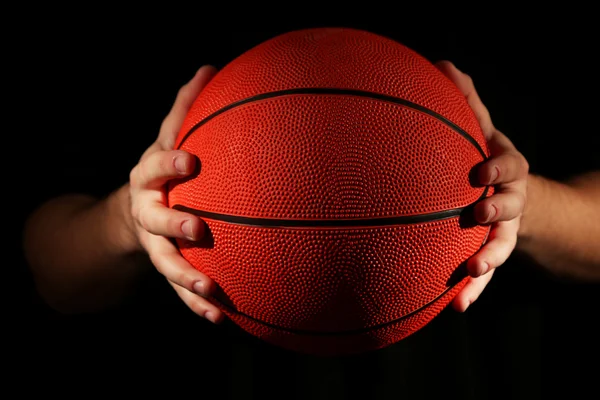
(154, 222)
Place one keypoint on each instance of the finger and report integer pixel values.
(154, 147)
(163, 221)
(184, 100)
(509, 163)
(471, 292)
(500, 143)
(161, 166)
(169, 262)
(199, 305)
(188, 93)
(505, 168)
(501, 243)
(467, 87)
(502, 206)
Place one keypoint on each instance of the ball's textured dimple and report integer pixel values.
(334, 178)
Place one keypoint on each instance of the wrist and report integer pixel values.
(546, 200)
(119, 225)
(536, 193)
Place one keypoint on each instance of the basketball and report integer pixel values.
(334, 183)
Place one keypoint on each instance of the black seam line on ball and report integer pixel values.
(325, 223)
(349, 332)
(343, 92)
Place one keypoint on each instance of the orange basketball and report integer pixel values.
(333, 180)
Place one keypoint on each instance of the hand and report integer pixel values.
(507, 170)
(154, 222)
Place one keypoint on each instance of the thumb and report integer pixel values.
(183, 102)
(465, 84)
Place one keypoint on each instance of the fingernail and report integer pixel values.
(494, 174)
(186, 228)
(483, 268)
(492, 211)
(180, 164)
(199, 288)
(211, 317)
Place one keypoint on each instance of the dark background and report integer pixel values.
(90, 100)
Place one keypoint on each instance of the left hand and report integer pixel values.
(506, 169)
(154, 224)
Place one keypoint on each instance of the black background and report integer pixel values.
(90, 100)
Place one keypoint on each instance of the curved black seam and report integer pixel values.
(324, 223)
(350, 331)
(337, 333)
(336, 91)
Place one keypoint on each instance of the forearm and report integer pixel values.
(560, 228)
(82, 253)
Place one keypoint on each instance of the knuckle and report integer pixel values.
(143, 217)
(524, 165)
(468, 80)
(168, 141)
(142, 173)
(184, 94)
(183, 89)
(133, 176)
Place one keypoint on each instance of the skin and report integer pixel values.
(506, 169)
(567, 245)
(133, 227)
